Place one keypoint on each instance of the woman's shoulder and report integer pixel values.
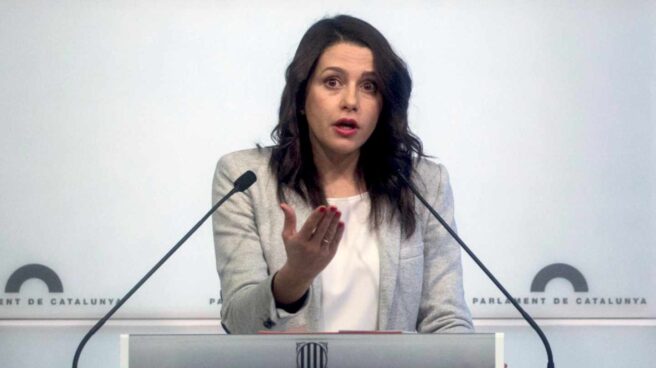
(253, 158)
(431, 176)
(428, 169)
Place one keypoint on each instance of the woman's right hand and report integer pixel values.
(309, 250)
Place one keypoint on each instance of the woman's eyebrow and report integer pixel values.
(366, 74)
(334, 68)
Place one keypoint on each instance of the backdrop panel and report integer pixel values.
(114, 115)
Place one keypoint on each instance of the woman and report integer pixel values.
(365, 254)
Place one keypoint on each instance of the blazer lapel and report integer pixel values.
(390, 242)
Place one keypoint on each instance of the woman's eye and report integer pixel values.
(331, 83)
(370, 86)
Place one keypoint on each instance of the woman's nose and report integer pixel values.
(350, 98)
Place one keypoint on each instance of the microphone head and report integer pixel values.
(245, 181)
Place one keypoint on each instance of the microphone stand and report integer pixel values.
(527, 317)
(241, 184)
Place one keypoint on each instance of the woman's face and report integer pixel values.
(343, 102)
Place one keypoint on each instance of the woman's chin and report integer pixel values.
(345, 150)
(335, 147)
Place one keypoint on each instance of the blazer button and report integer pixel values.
(269, 323)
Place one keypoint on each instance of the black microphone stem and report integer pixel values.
(127, 296)
(527, 317)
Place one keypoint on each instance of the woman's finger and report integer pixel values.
(337, 238)
(312, 221)
(332, 229)
(289, 227)
(319, 234)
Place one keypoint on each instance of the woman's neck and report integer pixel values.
(338, 174)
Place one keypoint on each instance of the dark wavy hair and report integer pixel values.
(391, 147)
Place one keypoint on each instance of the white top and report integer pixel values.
(350, 281)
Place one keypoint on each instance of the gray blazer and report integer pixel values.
(420, 277)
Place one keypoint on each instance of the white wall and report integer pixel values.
(114, 114)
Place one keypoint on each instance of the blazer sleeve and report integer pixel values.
(246, 281)
(442, 307)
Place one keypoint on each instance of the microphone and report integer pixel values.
(241, 184)
(527, 317)
(245, 181)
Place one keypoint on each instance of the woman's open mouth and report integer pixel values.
(346, 127)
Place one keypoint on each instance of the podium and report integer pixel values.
(379, 350)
